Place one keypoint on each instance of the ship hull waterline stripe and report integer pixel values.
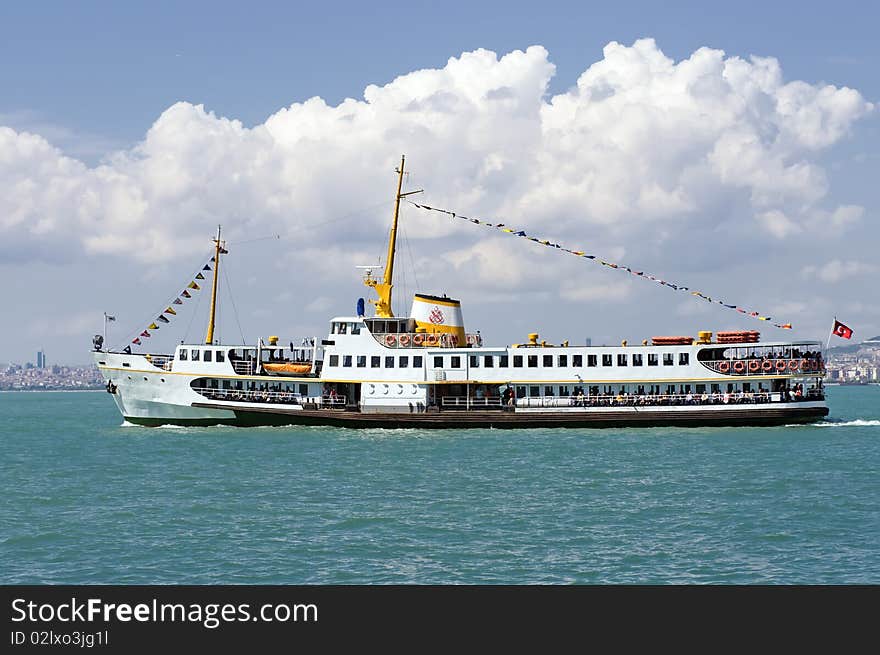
(259, 416)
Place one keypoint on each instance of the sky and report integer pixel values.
(732, 149)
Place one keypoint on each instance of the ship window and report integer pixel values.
(194, 355)
(475, 361)
(621, 360)
(670, 389)
(361, 361)
(563, 360)
(683, 359)
(668, 359)
(716, 388)
(181, 355)
(517, 361)
(563, 391)
(334, 360)
(577, 361)
(606, 360)
(343, 328)
(346, 361)
(221, 356)
(652, 359)
(548, 391)
(303, 390)
(747, 386)
(535, 392)
(548, 361)
(488, 361)
(637, 360)
(701, 388)
(503, 361)
(356, 328)
(417, 361)
(375, 361)
(520, 392)
(533, 361)
(455, 361)
(592, 360)
(438, 362)
(404, 361)
(389, 361)
(208, 355)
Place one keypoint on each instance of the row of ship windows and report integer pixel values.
(503, 361)
(206, 355)
(607, 389)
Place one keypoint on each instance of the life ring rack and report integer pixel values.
(781, 365)
(739, 367)
(390, 340)
(418, 339)
(723, 367)
(767, 366)
(404, 340)
(754, 365)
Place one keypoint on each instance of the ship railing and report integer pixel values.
(465, 402)
(243, 367)
(163, 362)
(272, 397)
(426, 340)
(752, 366)
(677, 399)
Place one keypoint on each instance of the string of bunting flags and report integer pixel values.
(169, 313)
(620, 267)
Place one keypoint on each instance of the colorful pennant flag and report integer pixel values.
(177, 301)
(162, 318)
(152, 326)
(145, 334)
(579, 253)
(170, 310)
(206, 267)
(200, 277)
(136, 341)
(193, 285)
(186, 294)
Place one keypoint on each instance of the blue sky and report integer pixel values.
(92, 79)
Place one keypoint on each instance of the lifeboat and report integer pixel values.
(287, 367)
(672, 341)
(741, 336)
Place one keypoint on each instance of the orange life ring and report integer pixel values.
(754, 366)
(766, 365)
(739, 367)
(454, 339)
(418, 339)
(404, 339)
(780, 365)
(390, 340)
(470, 339)
(807, 365)
(723, 367)
(431, 340)
(793, 364)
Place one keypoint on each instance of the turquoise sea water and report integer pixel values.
(86, 500)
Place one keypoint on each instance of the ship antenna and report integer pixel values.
(218, 250)
(383, 288)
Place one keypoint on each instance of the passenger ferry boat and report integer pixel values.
(424, 370)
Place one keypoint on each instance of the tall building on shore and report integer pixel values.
(41, 359)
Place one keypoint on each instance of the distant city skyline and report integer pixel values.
(729, 149)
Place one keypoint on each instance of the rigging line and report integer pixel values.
(351, 214)
(162, 311)
(412, 261)
(578, 253)
(232, 300)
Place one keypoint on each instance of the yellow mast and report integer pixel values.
(209, 337)
(383, 288)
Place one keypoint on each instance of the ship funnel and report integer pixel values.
(438, 315)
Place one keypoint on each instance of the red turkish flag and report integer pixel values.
(841, 330)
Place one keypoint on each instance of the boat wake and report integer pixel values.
(848, 424)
